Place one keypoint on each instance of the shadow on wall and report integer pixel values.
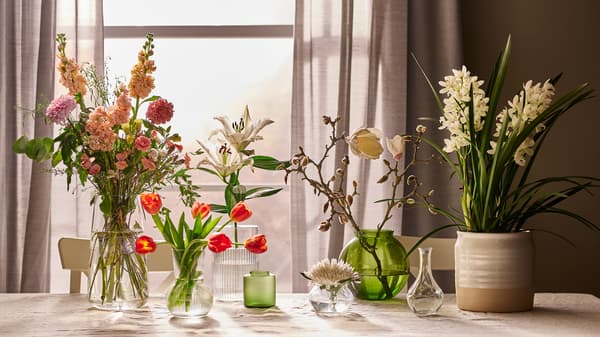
(543, 46)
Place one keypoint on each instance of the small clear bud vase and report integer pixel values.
(425, 297)
(331, 300)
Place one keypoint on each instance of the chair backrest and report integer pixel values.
(442, 254)
(75, 256)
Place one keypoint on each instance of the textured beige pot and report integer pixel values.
(494, 271)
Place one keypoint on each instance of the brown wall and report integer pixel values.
(549, 37)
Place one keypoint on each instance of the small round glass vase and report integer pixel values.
(189, 297)
(425, 297)
(332, 301)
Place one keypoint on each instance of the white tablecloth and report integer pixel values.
(40, 315)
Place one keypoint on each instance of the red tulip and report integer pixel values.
(256, 244)
(151, 202)
(240, 212)
(218, 242)
(200, 208)
(144, 245)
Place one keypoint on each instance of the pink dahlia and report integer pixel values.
(60, 108)
(160, 111)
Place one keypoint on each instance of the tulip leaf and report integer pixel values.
(209, 225)
(197, 227)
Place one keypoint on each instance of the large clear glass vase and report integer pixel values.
(230, 266)
(118, 276)
(383, 271)
(189, 296)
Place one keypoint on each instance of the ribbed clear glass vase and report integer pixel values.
(230, 266)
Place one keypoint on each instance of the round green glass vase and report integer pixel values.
(375, 283)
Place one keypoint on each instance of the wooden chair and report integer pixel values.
(442, 255)
(75, 256)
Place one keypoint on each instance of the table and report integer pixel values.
(41, 315)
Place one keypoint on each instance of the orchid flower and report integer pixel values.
(240, 134)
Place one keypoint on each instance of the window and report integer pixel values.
(213, 58)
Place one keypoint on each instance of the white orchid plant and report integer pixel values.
(227, 152)
(495, 152)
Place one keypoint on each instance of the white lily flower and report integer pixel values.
(241, 134)
(223, 160)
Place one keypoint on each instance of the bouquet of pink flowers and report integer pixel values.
(107, 144)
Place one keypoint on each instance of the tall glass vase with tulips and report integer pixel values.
(104, 142)
(189, 297)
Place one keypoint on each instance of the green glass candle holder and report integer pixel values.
(259, 289)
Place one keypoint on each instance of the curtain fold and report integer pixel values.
(26, 80)
(350, 61)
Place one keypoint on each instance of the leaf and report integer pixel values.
(20, 144)
(57, 158)
(106, 205)
(259, 192)
(150, 99)
(197, 227)
(269, 163)
(209, 225)
(217, 208)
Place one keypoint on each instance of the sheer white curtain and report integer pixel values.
(82, 22)
(351, 61)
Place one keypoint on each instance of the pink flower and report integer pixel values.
(86, 162)
(118, 115)
(187, 160)
(160, 111)
(121, 165)
(59, 109)
(148, 164)
(121, 156)
(143, 143)
(171, 145)
(94, 169)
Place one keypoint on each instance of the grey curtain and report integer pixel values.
(351, 60)
(27, 59)
(26, 80)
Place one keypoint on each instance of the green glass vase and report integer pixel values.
(378, 281)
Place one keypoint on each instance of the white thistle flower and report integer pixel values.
(330, 273)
